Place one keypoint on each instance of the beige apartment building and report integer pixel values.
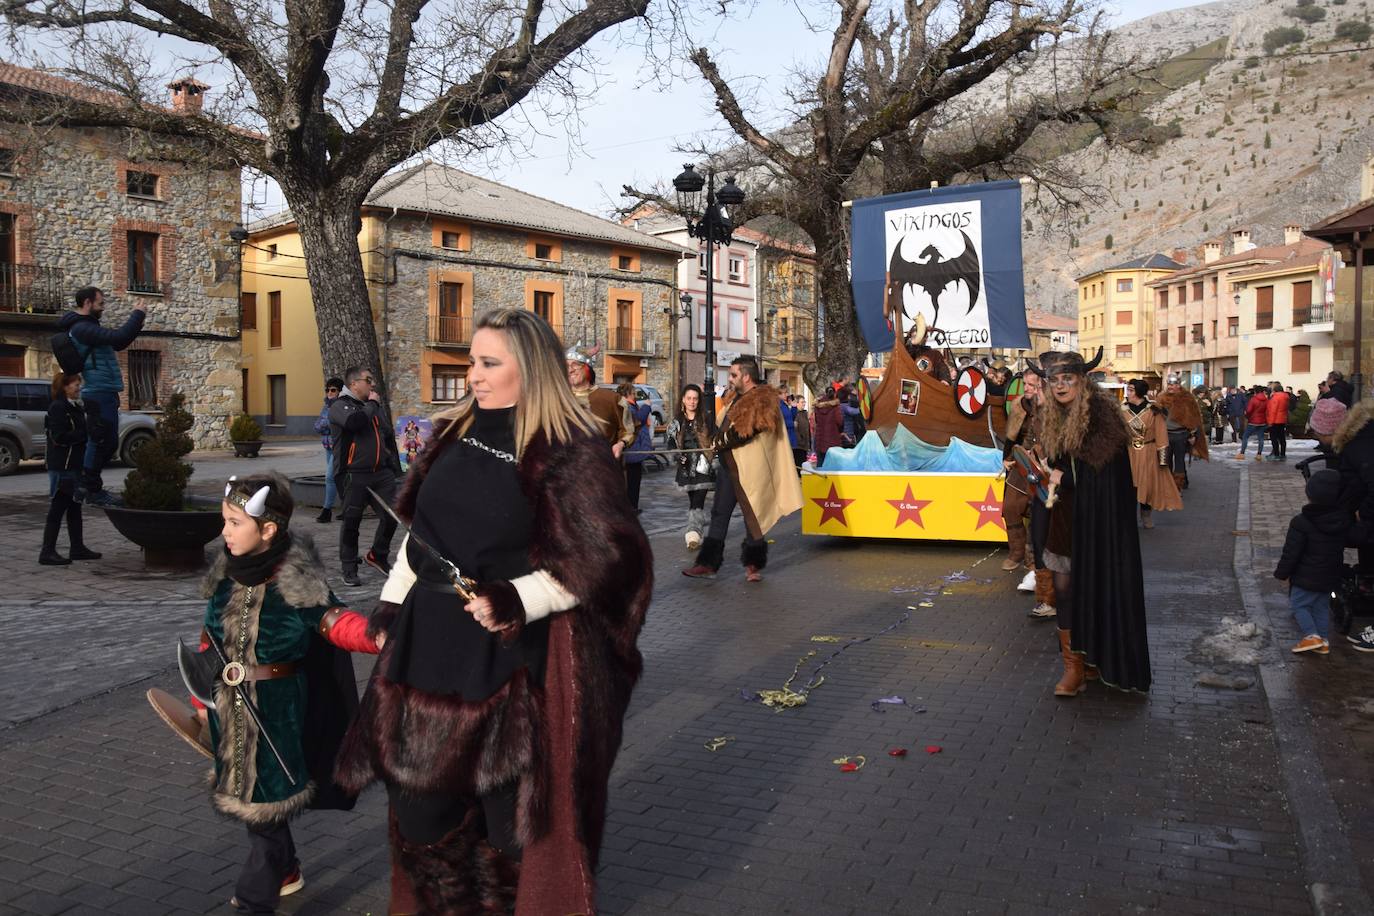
(1198, 312)
(1116, 312)
(1286, 327)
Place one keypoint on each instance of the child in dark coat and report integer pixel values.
(1314, 558)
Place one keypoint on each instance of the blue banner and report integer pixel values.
(951, 255)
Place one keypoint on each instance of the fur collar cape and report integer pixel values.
(1356, 419)
(589, 538)
(300, 579)
(755, 411)
(1107, 435)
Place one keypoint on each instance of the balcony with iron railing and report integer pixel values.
(32, 289)
(629, 340)
(1312, 314)
(795, 341)
(449, 331)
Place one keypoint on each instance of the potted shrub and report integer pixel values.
(156, 514)
(246, 434)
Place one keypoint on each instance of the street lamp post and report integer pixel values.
(239, 235)
(708, 219)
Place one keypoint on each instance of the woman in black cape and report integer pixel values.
(1093, 546)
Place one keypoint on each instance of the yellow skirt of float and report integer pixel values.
(915, 506)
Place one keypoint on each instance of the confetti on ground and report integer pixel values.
(927, 604)
(879, 703)
(933, 749)
(897, 752)
(850, 764)
(748, 696)
(959, 576)
(827, 639)
(716, 744)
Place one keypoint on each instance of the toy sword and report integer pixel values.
(461, 583)
(1037, 474)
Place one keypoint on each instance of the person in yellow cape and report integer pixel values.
(760, 477)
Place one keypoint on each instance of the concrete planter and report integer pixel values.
(247, 448)
(170, 539)
(308, 490)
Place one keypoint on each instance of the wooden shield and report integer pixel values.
(971, 391)
(181, 719)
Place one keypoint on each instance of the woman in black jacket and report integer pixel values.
(66, 426)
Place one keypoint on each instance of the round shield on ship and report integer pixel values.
(971, 391)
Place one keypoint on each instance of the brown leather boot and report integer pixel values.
(1044, 587)
(1090, 673)
(1072, 683)
(1181, 481)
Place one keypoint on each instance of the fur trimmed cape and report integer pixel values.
(306, 715)
(1182, 407)
(557, 744)
(757, 454)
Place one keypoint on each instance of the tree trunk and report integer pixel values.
(843, 351)
(343, 309)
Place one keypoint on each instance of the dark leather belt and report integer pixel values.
(255, 672)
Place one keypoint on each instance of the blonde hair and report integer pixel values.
(547, 403)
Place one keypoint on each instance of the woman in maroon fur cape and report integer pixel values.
(494, 722)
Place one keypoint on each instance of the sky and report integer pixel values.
(638, 114)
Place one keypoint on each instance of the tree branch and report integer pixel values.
(729, 107)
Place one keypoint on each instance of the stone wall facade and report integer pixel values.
(69, 200)
(492, 267)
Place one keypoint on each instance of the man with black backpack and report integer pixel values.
(84, 346)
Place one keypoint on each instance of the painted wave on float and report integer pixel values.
(907, 453)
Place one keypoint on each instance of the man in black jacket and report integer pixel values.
(365, 457)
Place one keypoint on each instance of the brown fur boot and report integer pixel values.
(1180, 481)
(1072, 683)
(1044, 587)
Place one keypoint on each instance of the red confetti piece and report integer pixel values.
(848, 767)
(897, 752)
(933, 749)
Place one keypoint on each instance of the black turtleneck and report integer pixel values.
(472, 510)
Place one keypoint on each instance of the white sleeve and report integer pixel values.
(542, 595)
(402, 577)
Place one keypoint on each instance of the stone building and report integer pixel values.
(145, 219)
(442, 247)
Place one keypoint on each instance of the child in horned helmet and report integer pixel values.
(281, 629)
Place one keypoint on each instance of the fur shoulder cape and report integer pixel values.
(300, 579)
(1107, 435)
(756, 411)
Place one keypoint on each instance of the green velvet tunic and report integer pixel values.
(262, 625)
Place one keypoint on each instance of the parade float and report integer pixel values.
(934, 272)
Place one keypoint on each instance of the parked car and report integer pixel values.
(647, 393)
(23, 408)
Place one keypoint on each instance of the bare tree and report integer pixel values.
(325, 97)
(920, 91)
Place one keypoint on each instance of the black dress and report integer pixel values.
(471, 509)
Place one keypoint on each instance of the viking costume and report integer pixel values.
(1183, 419)
(759, 476)
(496, 748)
(611, 412)
(274, 615)
(1154, 487)
(1093, 545)
(1018, 500)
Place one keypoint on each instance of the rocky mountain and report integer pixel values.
(1258, 139)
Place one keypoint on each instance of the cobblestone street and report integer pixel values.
(1252, 797)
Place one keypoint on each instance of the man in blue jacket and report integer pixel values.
(1235, 412)
(101, 382)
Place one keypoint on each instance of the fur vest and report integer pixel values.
(1107, 436)
(759, 458)
(266, 624)
(556, 744)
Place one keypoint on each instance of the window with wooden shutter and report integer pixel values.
(1123, 351)
(1124, 317)
(1182, 290)
(1162, 298)
(1264, 360)
(250, 311)
(1181, 331)
(1197, 333)
(1264, 308)
(274, 319)
(142, 262)
(1232, 326)
(1302, 303)
(1197, 291)
(1164, 337)
(1301, 359)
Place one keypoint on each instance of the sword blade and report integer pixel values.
(461, 583)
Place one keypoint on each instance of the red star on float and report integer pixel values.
(909, 508)
(832, 507)
(989, 510)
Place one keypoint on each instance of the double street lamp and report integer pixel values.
(708, 219)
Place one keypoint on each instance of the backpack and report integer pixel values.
(68, 356)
